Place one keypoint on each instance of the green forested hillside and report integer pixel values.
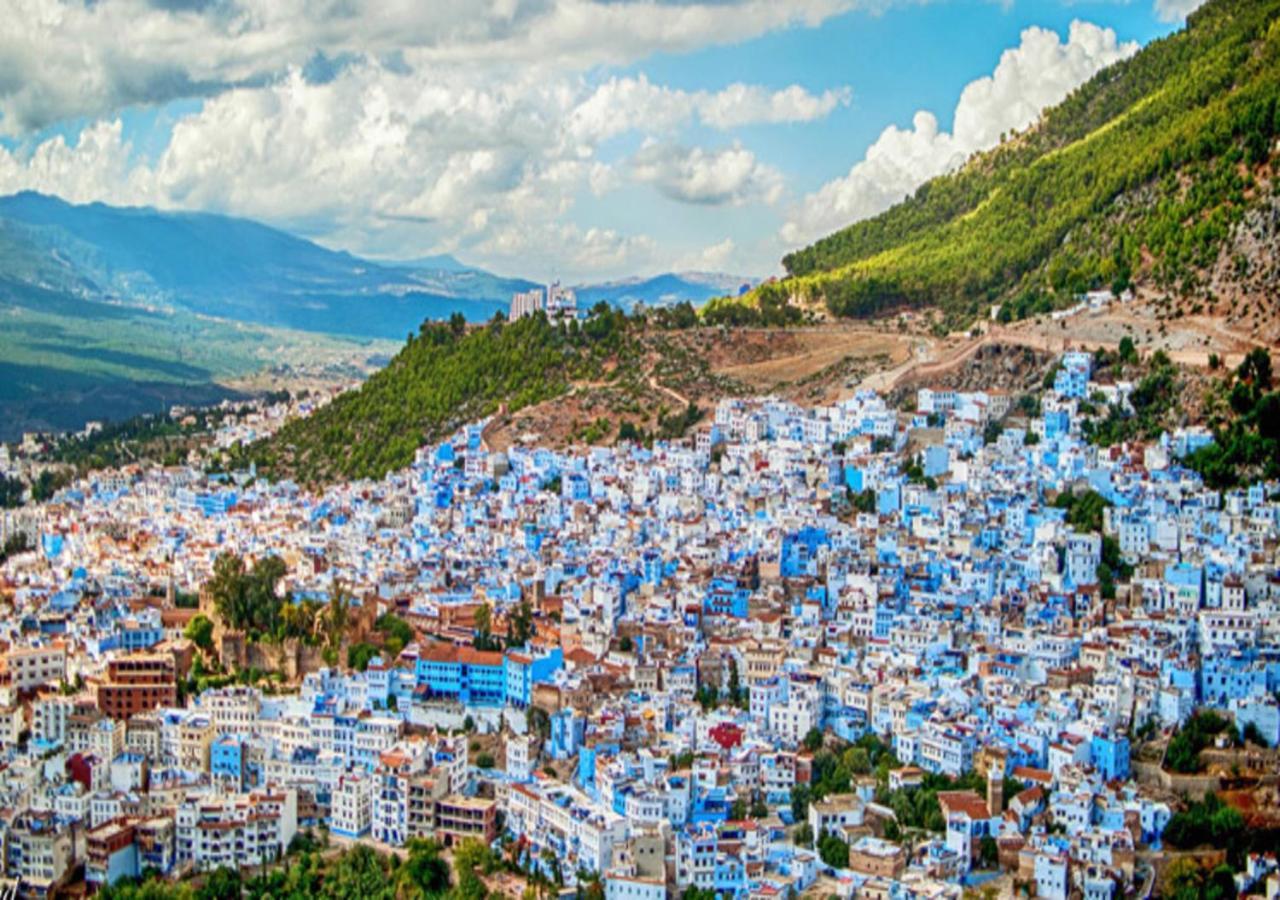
(444, 377)
(1138, 176)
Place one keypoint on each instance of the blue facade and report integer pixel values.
(140, 637)
(440, 677)
(1111, 756)
(1072, 379)
(888, 500)
(799, 549)
(521, 676)
(575, 487)
(226, 759)
(936, 460)
(568, 730)
(1056, 424)
(653, 567)
(483, 685)
(726, 598)
(473, 680)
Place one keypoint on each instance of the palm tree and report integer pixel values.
(337, 613)
(228, 587)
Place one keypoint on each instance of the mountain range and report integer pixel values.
(108, 311)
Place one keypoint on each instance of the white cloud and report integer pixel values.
(562, 249)
(731, 175)
(1176, 10)
(620, 105)
(469, 128)
(399, 164)
(718, 257)
(744, 104)
(66, 58)
(1038, 73)
(96, 166)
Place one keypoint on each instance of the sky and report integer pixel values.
(572, 139)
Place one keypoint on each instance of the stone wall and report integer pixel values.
(1248, 759)
(1191, 785)
(293, 658)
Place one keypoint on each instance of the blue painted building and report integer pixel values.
(227, 760)
(1110, 754)
(800, 550)
(726, 597)
(523, 671)
(471, 677)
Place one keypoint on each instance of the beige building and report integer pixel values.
(40, 851)
(235, 830)
(873, 856)
(195, 737)
(28, 668)
(11, 722)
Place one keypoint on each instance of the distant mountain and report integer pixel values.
(444, 262)
(1159, 172)
(663, 290)
(449, 277)
(228, 268)
(244, 271)
(107, 311)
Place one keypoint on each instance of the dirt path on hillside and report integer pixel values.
(681, 400)
(1188, 341)
(810, 351)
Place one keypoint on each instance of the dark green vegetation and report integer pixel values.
(359, 873)
(13, 545)
(835, 768)
(519, 628)
(1246, 443)
(1112, 568)
(833, 851)
(12, 492)
(1208, 822)
(1137, 177)
(1155, 399)
(118, 443)
(1188, 880)
(669, 426)
(622, 370)
(915, 808)
(1211, 822)
(1085, 514)
(735, 693)
(1084, 511)
(443, 378)
(771, 310)
(248, 599)
(919, 807)
(1183, 752)
(162, 438)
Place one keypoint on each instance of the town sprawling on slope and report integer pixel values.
(948, 565)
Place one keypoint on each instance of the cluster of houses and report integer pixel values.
(700, 612)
